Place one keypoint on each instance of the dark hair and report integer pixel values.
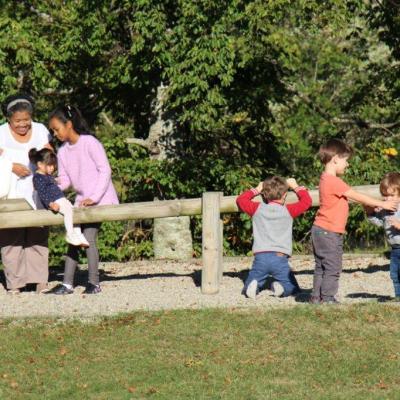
(390, 180)
(71, 113)
(332, 148)
(46, 156)
(274, 188)
(17, 102)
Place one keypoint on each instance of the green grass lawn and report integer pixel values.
(304, 352)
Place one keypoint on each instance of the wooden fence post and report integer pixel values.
(221, 238)
(212, 244)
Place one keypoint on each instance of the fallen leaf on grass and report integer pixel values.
(13, 384)
(152, 390)
(63, 351)
(131, 389)
(382, 385)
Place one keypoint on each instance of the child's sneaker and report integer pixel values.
(277, 289)
(84, 242)
(92, 289)
(75, 239)
(60, 290)
(251, 291)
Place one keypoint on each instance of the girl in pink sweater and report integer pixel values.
(83, 166)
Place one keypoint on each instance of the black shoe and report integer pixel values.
(92, 289)
(60, 289)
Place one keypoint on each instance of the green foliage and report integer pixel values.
(252, 88)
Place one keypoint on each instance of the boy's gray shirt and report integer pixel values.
(272, 229)
(381, 218)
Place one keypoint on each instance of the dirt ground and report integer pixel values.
(158, 285)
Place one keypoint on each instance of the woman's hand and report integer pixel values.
(20, 170)
(86, 202)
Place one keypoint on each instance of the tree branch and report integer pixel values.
(139, 142)
(359, 122)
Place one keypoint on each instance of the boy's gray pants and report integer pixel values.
(328, 254)
(71, 261)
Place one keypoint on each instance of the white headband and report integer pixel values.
(16, 101)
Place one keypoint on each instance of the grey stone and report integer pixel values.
(172, 238)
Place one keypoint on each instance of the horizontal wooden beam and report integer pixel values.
(14, 205)
(144, 210)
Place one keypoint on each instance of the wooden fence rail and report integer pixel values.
(18, 214)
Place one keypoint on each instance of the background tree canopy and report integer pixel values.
(248, 88)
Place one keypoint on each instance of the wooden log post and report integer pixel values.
(212, 244)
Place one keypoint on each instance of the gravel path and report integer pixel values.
(155, 285)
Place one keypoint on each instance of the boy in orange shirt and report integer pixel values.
(330, 221)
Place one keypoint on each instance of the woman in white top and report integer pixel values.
(24, 251)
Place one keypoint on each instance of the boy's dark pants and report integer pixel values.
(276, 265)
(328, 254)
(395, 269)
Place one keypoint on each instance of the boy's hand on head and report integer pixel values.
(259, 187)
(292, 183)
(54, 206)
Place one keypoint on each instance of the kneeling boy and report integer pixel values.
(272, 234)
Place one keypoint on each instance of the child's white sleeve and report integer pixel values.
(6, 176)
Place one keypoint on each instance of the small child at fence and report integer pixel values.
(272, 223)
(330, 221)
(390, 221)
(51, 196)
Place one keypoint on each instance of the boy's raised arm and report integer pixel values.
(303, 204)
(245, 203)
(370, 201)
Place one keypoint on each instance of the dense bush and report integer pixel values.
(251, 88)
